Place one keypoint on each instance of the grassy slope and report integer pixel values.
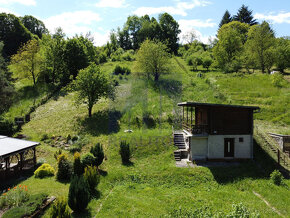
(153, 186)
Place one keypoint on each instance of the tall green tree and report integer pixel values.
(13, 34)
(91, 85)
(260, 43)
(227, 18)
(27, 61)
(282, 56)
(229, 48)
(54, 66)
(34, 25)
(6, 87)
(169, 31)
(244, 15)
(152, 59)
(75, 56)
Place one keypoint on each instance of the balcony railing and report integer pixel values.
(196, 129)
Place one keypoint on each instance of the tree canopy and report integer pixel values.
(152, 59)
(91, 84)
(34, 25)
(13, 33)
(27, 61)
(244, 15)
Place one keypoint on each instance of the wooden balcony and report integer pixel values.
(196, 129)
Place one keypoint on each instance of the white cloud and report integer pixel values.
(179, 9)
(111, 4)
(72, 22)
(282, 17)
(22, 2)
(77, 22)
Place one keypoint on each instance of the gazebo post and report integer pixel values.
(34, 156)
(21, 160)
(7, 166)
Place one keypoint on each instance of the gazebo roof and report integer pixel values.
(10, 146)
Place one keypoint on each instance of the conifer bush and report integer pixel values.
(92, 177)
(43, 171)
(78, 168)
(98, 153)
(88, 160)
(60, 209)
(79, 194)
(125, 152)
(64, 168)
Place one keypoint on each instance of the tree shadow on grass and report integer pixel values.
(101, 122)
(103, 172)
(128, 163)
(170, 87)
(259, 168)
(84, 214)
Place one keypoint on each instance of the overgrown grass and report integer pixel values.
(152, 185)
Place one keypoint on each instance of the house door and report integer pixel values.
(229, 148)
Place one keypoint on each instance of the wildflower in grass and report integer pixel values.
(8, 189)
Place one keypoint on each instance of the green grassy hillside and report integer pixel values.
(153, 186)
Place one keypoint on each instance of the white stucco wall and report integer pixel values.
(241, 149)
(199, 147)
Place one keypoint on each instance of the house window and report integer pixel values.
(241, 139)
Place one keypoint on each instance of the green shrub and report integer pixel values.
(239, 210)
(64, 168)
(43, 171)
(277, 80)
(98, 153)
(7, 127)
(88, 160)
(276, 177)
(57, 153)
(78, 166)
(125, 152)
(60, 209)
(92, 177)
(79, 195)
(121, 70)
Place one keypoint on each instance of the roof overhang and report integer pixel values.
(11, 146)
(195, 104)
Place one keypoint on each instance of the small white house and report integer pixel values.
(215, 132)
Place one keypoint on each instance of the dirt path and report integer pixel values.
(268, 204)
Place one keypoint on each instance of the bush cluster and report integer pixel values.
(121, 70)
(44, 170)
(92, 177)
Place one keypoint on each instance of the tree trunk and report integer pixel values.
(156, 77)
(90, 110)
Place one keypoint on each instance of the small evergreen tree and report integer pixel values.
(226, 19)
(60, 209)
(125, 152)
(78, 166)
(64, 168)
(88, 159)
(98, 152)
(92, 177)
(79, 195)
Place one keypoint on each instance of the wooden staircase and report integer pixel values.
(179, 142)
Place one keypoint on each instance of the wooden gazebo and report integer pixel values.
(15, 155)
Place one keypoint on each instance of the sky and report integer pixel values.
(100, 17)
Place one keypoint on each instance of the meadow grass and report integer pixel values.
(152, 186)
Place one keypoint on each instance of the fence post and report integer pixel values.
(278, 153)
